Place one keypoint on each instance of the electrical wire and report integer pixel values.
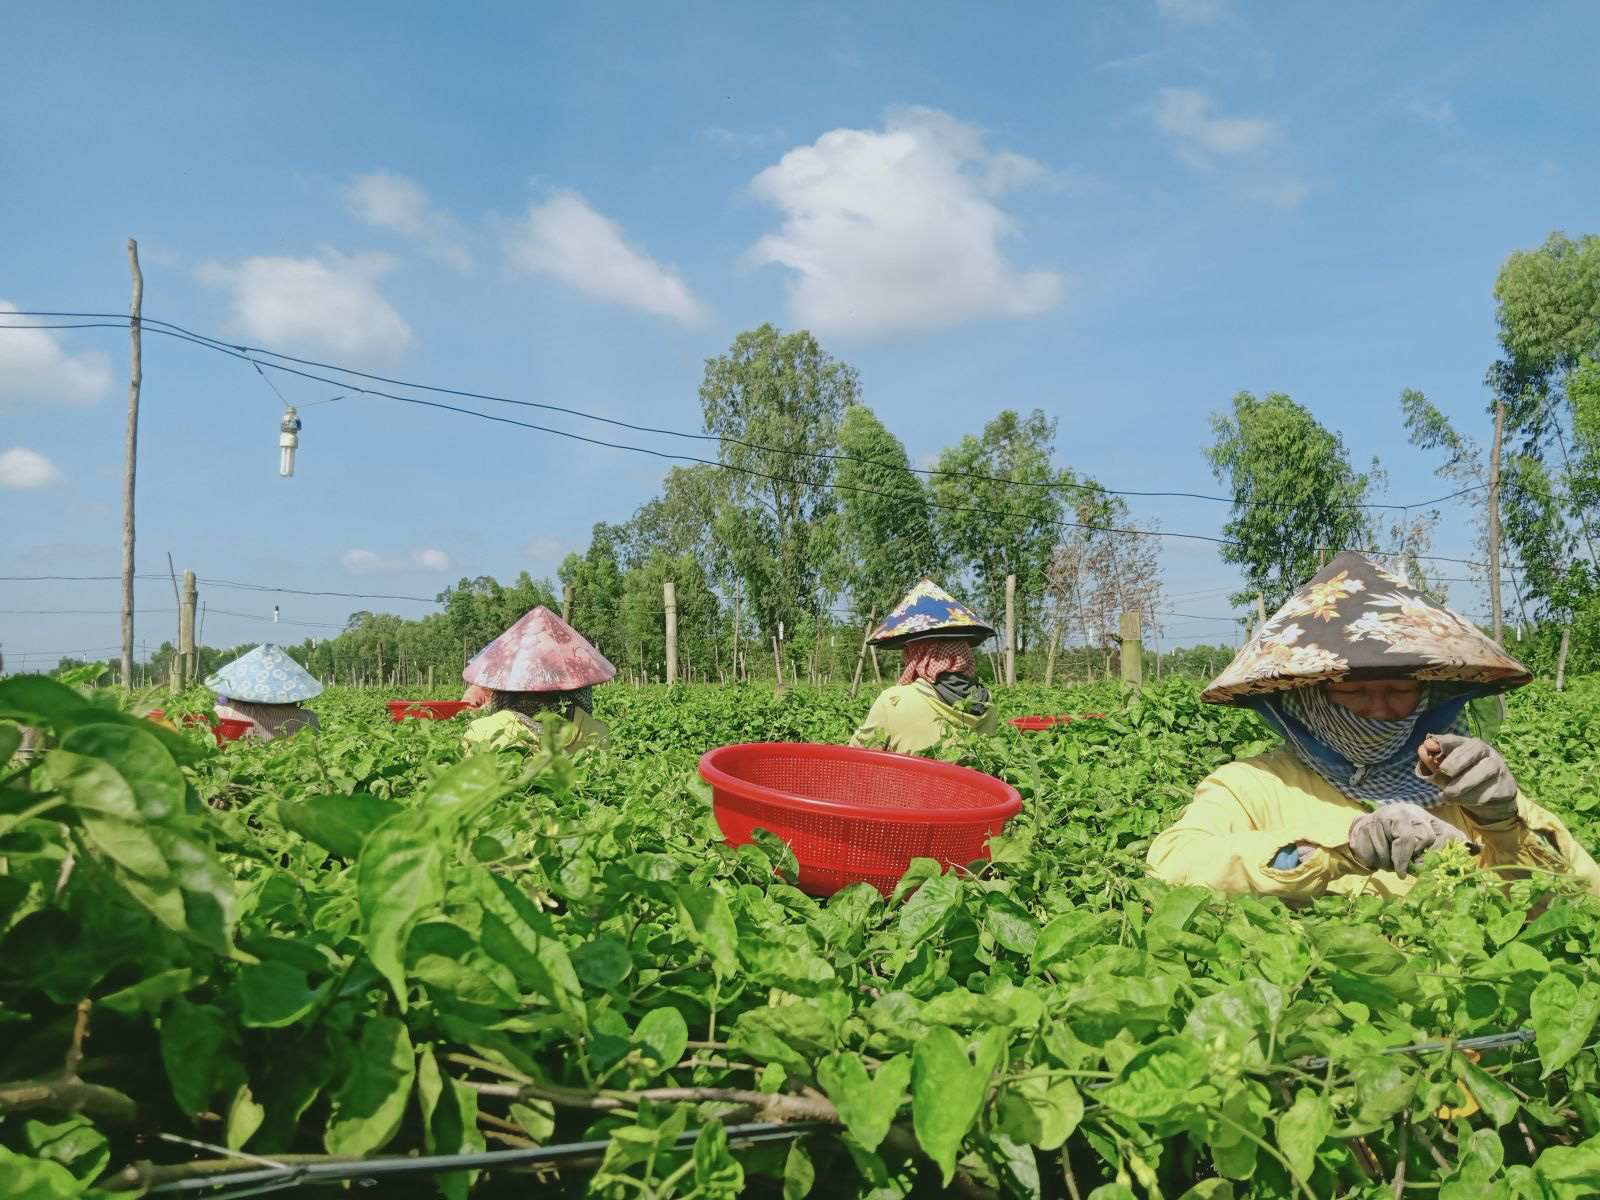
(117, 321)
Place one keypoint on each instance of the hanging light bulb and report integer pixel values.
(275, 607)
(288, 440)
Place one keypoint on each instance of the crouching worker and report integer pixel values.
(541, 665)
(938, 692)
(1368, 681)
(265, 687)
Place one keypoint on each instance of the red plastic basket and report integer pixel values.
(425, 710)
(1036, 724)
(853, 815)
(229, 729)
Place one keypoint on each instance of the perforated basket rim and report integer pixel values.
(1007, 801)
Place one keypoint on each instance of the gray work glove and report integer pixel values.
(1391, 836)
(1471, 773)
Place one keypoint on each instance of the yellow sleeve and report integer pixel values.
(874, 731)
(585, 732)
(1218, 842)
(1534, 837)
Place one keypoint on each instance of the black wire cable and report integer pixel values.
(245, 351)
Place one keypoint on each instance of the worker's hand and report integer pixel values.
(1471, 773)
(1393, 835)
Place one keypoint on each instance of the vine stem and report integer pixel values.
(1402, 1146)
(1270, 1149)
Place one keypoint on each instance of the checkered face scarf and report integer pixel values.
(930, 657)
(1367, 760)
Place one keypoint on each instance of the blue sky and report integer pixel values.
(1121, 213)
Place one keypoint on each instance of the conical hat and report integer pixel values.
(540, 653)
(266, 675)
(1355, 620)
(929, 611)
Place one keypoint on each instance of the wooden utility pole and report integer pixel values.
(186, 659)
(566, 604)
(1561, 656)
(430, 677)
(130, 461)
(877, 674)
(861, 658)
(669, 597)
(1132, 652)
(1494, 517)
(777, 661)
(1011, 630)
(1261, 612)
(1050, 658)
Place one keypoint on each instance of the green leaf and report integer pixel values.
(663, 1035)
(515, 933)
(1209, 1189)
(947, 1090)
(867, 1104)
(274, 994)
(1302, 1130)
(929, 907)
(337, 823)
(1370, 963)
(38, 700)
(1042, 1111)
(449, 1121)
(1010, 924)
(37, 1178)
(705, 918)
(154, 779)
(371, 1101)
(1562, 1014)
(716, 1172)
(1498, 1101)
(200, 1052)
(74, 1143)
(1158, 1079)
(798, 1174)
(602, 963)
(243, 1118)
(1067, 934)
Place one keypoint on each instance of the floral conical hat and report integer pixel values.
(1355, 620)
(540, 653)
(930, 611)
(266, 675)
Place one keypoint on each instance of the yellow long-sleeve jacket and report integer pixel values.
(910, 717)
(1244, 813)
(502, 730)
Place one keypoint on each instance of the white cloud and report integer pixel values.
(1434, 112)
(367, 562)
(547, 547)
(566, 238)
(34, 368)
(328, 302)
(1192, 12)
(899, 230)
(739, 142)
(1186, 114)
(1283, 191)
(400, 205)
(24, 468)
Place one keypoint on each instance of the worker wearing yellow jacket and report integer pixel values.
(540, 666)
(938, 692)
(1369, 682)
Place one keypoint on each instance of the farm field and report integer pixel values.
(312, 950)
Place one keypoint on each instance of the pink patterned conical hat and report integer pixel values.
(540, 653)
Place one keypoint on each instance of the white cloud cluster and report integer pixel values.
(24, 468)
(330, 301)
(35, 369)
(368, 562)
(1186, 114)
(566, 238)
(400, 205)
(1434, 112)
(898, 230)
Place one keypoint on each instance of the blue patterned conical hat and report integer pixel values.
(930, 611)
(267, 675)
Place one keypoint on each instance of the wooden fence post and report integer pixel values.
(669, 597)
(130, 459)
(566, 604)
(1050, 659)
(777, 661)
(861, 658)
(1561, 657)
(186, 658)
(736, 629)
(1011, 630)
(1132, 652)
